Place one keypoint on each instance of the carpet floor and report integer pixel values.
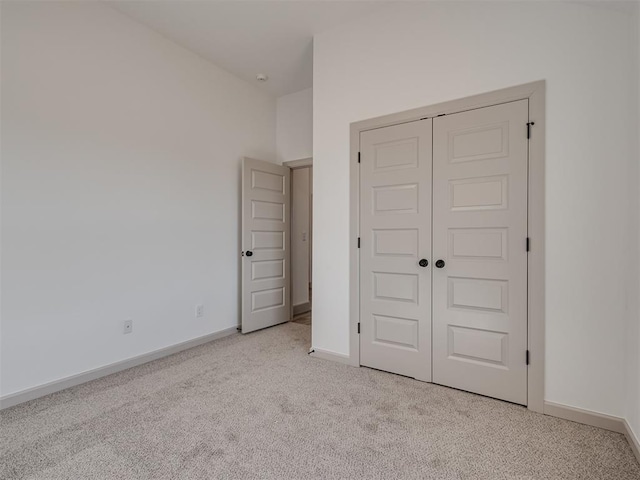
(257, 406)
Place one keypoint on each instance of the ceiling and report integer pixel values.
(247, 37)
(250, 37)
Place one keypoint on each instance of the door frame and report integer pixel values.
(535, 93)
(295, 165)
(302, 163)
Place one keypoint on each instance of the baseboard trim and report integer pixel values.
(587, 417)
(332, 356)
(595, 419)
(302, 308)
(633, 440)
(13, 399)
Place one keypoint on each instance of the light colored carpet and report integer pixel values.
(257, 406)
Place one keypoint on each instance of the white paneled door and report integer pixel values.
(479, 251)
(395, 241)
(443, 260)
(265, 244)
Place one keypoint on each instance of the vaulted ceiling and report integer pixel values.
(250, 37)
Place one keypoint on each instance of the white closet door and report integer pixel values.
(395, 234)
(479, 233)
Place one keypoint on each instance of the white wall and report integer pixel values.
(424, 53)
(295, 126)
(300, 234)
(120, 189)
(633, 329)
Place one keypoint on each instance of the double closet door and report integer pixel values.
(443, 261)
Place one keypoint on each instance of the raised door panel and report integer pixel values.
(479, 193)
(396, 332)
(478, 243)
(396, 154)
(395, 199)
(271, 182)
(479, 143)
(267, 210)
(395, 287)
(396, 242)
(478, 294)
(267, 269)
(267, 299)
(483, 347)
(267, 240)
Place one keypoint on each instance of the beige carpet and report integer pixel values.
(257, 406)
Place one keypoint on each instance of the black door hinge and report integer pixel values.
(358, 327)
(358, 157)
(527, 244)
(529, 125)
(527, 357)
(358, 242)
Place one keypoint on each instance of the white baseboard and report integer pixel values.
(595, 419)
(333, 356)
(633, 440)
(587, 417)
(12, 399)
(302, 308)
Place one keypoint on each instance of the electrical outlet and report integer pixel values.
(128, 326)
(304, 236)
(199, 311)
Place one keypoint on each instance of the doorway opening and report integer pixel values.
(276, 243)
(301, 240)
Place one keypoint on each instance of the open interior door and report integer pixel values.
(265, 244)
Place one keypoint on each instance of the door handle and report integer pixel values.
(423, 262)
(439, 263)
(249, 253)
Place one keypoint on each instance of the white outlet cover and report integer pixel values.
(199, 311)
(128, 326)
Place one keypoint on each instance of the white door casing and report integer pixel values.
(479, 231)
(395, 226)
(265, 245)
(534, 94)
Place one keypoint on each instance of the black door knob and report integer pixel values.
(439, 263)
(423, 263)
(249, 253)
